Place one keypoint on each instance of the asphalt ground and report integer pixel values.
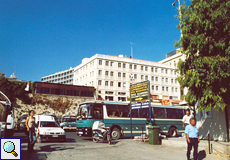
(83, 148)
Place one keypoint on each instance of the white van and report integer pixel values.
(10, 125)
(48, 128)
(4, 100)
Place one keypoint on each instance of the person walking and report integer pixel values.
(30, 125)
(186, 118)
(192, 137)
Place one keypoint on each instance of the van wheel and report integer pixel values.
(173, 132)
(39, 139)
(116, 133)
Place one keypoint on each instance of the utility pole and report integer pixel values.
(131, 43)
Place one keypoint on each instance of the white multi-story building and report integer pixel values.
(172, 59)
(63, 77)
(112, 76)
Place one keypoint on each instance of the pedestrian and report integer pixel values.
(30, 125)
(192, 137)
(186, 118)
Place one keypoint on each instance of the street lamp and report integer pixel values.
(175, 3)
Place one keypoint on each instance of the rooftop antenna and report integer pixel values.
(131, 43)
(14, 70)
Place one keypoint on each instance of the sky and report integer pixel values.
(42, 37)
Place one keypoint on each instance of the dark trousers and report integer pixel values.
(31, 139)
(194, 143)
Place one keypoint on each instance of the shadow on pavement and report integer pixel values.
(201, 155)
(88, 139)
(114, 142)
(40, 155)
(52, 148)
(68, 140)
(32, 156)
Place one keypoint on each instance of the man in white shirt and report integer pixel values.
(186, 118)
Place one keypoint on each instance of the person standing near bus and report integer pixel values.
(192, 137)
(30, 125)
(186, 118)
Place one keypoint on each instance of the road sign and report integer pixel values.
(140, 95)
(139, 98)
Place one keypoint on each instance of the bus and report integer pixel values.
(68, 122)
(117, 116)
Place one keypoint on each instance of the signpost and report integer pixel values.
(139, 98)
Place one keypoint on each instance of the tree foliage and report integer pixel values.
(12, 89)
(205, 41)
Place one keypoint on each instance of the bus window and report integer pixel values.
(159, 112)
(123, 110)
(144, 113)
(180, 113)
(171, 113)
(98, 112)
(134, 113)
(112, 110)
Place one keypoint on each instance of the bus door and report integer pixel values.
(97, 112)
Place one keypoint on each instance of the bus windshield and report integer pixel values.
(69, 119)
(86, 111)
(89, 111)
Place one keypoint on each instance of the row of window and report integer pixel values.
(111, 83)
(56, 79)
(123, 111)
(123, 84)
(59, 75)
(111, 92)
(85, 67)
(163, 88)
(45, 90)
(63, 82)
(143, 77)
(134, 66)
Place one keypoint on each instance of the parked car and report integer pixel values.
(48, 129)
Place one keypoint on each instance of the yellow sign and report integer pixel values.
(139, 92)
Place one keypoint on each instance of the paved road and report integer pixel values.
(82, 148)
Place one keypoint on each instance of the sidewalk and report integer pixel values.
(222, 149)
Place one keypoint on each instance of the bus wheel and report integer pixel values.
(173, 132)
(116, 133)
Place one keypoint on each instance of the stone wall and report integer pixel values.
(48, 104)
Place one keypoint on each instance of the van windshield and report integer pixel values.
(48, 124)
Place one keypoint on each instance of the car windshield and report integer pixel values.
(69, 119)
(48, 124)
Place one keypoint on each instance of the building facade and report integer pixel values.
(63, 77)
(172, 59)
(112, 76)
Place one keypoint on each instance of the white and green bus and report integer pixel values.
(117, 116)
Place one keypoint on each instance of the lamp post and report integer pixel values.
(180, 15)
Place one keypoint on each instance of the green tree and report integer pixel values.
(12, 89)
(205, 40)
